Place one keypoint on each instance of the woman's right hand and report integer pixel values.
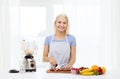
(52, 61)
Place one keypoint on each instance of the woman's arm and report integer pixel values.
(46, 58)
(72, 57)
(45, 53)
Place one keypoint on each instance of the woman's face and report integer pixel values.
(61, 24)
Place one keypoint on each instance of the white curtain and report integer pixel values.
(8, 27)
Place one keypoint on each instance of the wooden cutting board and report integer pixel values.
(58, 71)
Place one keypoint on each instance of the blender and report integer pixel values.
(28, 63)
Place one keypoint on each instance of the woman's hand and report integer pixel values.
(52, 61)
(68, 67)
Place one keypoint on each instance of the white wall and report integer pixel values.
(6, 25)
(116, 33)
(4, 35)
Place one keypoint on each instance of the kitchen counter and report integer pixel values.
(41, 74)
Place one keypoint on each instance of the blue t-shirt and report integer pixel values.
(71, 40)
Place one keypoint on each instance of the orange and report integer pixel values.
(94, 67)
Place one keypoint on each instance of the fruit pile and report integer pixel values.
(93, 70)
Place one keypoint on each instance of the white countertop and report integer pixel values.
(41, 74)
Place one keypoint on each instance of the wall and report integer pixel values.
(116, 34)
(4, 36)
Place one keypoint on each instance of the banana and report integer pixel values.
(87, 70)
(87, 73)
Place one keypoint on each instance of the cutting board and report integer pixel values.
(58, 71)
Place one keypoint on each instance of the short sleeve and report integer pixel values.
(47, 40)
(73, 43)
(72, 40)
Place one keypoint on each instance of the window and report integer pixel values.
(32, 20)
(33, 27)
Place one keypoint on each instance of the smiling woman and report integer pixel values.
(60, 48)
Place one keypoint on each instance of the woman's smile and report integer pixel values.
(61, 28)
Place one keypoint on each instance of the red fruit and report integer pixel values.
(82, 68)
(100, 71)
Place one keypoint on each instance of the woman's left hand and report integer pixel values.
(68, 67)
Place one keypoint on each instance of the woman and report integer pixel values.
(60, 48)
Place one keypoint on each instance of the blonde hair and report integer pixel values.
(65, 16)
